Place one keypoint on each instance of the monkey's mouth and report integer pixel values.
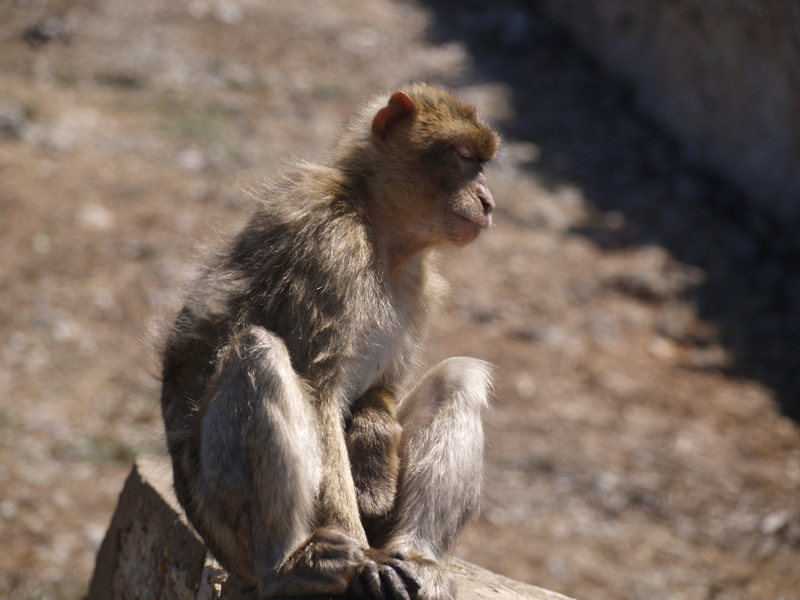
(481, 221)
(465, 227)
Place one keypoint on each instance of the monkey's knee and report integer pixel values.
(262, 357)
(459, 383)
(257, 388)
(257, 397)
(259, 460)
(442, 455)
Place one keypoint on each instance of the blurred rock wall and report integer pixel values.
(723, 76)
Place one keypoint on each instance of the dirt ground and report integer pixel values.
(643, 321)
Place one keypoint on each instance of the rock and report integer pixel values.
(12, 118)
(227, 12)
(94, 217)
(151, 552)
(46, 30)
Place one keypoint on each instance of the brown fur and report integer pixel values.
(292, 442)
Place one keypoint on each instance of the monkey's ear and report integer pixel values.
(400, 106)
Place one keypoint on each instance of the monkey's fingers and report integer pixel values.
(368, 583)
(357, 589)
(401, 570)
(393, 586)
(385, 579)
(244, 597)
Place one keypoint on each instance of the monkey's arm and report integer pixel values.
(373, 440)
(338, 503)
(373, 444)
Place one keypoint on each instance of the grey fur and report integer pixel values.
(320, 305)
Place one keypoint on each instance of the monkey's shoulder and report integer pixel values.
(326, 242)
(314, 209)
(304, 251)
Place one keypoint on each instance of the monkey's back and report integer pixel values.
(298, 269)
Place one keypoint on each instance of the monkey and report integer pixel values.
(303, 453)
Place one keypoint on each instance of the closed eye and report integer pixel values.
(464, 153)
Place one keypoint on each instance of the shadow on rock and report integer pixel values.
(641, 189)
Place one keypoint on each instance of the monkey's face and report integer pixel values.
(469, 204)
(430, 150)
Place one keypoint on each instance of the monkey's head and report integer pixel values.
(428, 150)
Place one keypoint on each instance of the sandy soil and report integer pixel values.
(643, 321)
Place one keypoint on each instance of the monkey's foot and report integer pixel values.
(402, 575)
(434, 581)
(385, 577)
(325, 565)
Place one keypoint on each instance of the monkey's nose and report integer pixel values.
(487, 202)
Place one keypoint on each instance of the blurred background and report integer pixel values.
(640, 293)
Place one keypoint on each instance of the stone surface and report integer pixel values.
(151, 552)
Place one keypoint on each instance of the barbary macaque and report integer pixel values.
(302, 453)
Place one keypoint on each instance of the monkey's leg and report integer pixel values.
(441, 454)
(259, 474)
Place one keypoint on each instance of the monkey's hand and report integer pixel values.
(385, 576)
(325, 565)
